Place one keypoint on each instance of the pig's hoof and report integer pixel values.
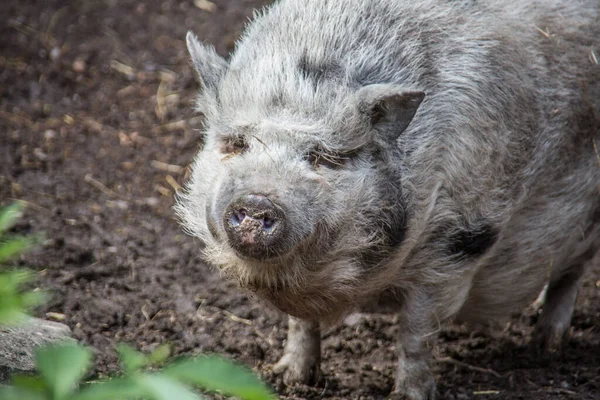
(298, 370)
(420, 388)
(549, 339)
(414, 395)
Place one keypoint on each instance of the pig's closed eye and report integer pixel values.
(233, 145)
(328, 159)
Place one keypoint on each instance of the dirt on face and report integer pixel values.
(96, 133)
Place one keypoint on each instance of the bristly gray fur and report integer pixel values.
(487, 193)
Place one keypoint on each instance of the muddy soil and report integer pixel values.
(96, 133)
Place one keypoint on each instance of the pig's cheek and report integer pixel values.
(211, 223)
(220, 191)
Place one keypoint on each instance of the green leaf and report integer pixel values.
(11, 307)
(14, 247)
(9, 216)
(12, 315)
(155, 387)
(29, 383)
(15, 278)
(159, 387)
(13, 303)
(14, 393)
(115, 389)
(62, 366)
(160, 354)
(217, 374)
(131, 359)
(33, 299)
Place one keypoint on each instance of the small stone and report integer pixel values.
(205, 5)
(49, 134)
(120, 204)
(19, 342)
(56, 316)
(55, 53)
(39, 154)
(79, 66)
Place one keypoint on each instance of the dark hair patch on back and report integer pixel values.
(473, 241)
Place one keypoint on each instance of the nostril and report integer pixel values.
(268, 223)
(237, 217)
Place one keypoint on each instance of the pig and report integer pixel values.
(436, 159)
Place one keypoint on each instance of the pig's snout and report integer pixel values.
(255, 226)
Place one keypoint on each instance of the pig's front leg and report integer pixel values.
(414, 377)
(301, 360)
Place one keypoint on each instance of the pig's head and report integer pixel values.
(297, 192)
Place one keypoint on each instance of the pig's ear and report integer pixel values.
(208, 64)
(389, 108)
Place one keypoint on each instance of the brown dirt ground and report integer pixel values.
(95, 118)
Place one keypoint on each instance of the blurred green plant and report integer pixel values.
(62, 367)
(14, 302)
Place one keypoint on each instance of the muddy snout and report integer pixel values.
(255, 226)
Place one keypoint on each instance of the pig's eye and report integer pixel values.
(233, 145)
(332, 160)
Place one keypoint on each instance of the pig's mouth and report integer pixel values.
(312, 299)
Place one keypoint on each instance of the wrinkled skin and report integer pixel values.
(358, 157)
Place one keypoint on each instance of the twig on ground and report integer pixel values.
(30, 204)
(167, 75)
(29, 31)
(262, 336)
(173, 183)
(559, 391)
(144, 311)
(546, 32)
(96, 126)
(48, 38)
(16, 118)
(450, 360)
(183, 125)
(235, 318)
(596, 150)
(485, 392)
(163, 190)
(100, 186)
(175, 169)
(123, 69)
(161, 100)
